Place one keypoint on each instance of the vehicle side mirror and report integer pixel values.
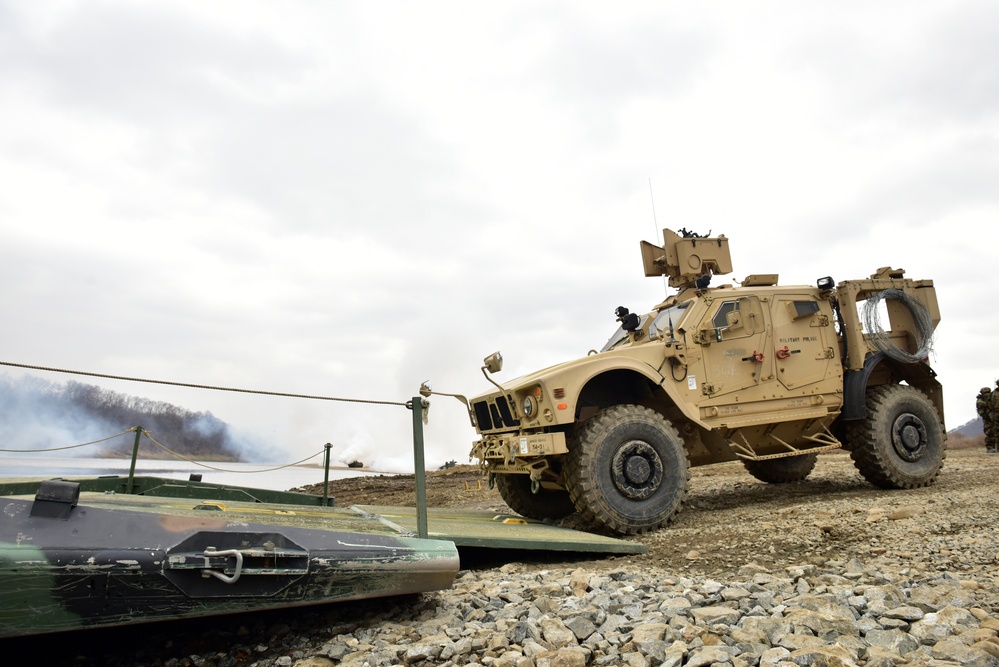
(733, 320)
(493, 363)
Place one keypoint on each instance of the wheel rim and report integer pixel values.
(908, 437)
(636, 470)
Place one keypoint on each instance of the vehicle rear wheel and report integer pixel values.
(627, 470)
(516, 492)
(783, 470)
(900, 444)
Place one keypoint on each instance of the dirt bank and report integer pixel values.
(730, 518)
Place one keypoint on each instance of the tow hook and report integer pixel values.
(535, 481)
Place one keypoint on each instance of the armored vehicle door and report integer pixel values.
(733, 338)
(803, 340)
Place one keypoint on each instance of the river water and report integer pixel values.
(257, 475)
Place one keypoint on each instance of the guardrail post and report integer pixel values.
(135, 454)
(416, 405)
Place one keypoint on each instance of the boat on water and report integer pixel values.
(82, 553)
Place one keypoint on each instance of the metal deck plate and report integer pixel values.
(477, 528)
(466, 528)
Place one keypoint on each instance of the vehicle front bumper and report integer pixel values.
(507, 447)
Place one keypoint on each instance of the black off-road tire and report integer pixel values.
(784, 470)
(627, 470)
(546, 504)
(901, 444)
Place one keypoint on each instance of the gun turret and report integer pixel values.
(686, 258)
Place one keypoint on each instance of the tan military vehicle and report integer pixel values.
(769, 375)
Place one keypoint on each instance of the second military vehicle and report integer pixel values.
(766, 374)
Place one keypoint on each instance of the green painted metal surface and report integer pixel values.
(477, 528)
(71, 558)
(76, 560)
(466, 528)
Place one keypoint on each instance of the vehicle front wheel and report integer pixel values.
(783, 470)
(627, 470)
(900, 444)
(515, 489)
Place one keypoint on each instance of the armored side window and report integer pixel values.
(721, 319)
(737, 318)
(801, 309)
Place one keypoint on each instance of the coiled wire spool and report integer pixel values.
(878, 336)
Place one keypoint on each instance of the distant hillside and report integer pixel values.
(969, 429)
(36, 415)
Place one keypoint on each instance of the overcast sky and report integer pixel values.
(347, 199)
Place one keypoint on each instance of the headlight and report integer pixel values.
(530, 406)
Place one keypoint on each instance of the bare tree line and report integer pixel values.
(36, 414)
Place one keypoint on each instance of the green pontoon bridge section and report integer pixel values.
(477, 528)
(466, 528)
(72, 560)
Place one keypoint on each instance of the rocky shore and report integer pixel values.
(831, 614)
(837, 613)
(826, 573)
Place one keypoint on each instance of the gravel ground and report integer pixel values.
(826, 572)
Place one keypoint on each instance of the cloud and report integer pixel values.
(140, 64)
(347, 200)
(939, 63)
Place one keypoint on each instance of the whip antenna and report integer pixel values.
(655, 222)
(655, 226)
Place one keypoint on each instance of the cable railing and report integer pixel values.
(140, 432)
(418, 405)
(62, 449)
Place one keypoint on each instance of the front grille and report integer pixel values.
(482, 416)
(494, 414)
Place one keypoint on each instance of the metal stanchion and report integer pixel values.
(417, 405)
(326, 476)
(135, 453)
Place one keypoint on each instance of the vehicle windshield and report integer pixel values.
(620, 336)
(659, 326)
(667, 319)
